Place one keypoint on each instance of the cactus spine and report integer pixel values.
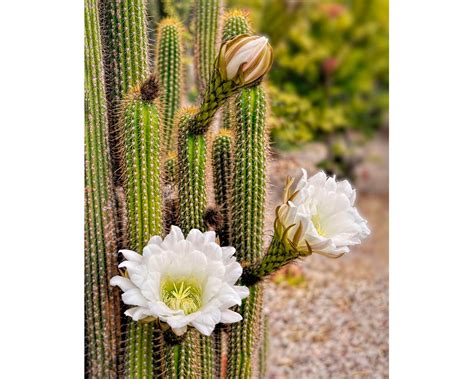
(168, 68)
(125, 55)
(207, 23)
(140, 168)
(102, 307)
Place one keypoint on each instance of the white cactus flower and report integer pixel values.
(182, 281)
(319, 216)
(245, 58)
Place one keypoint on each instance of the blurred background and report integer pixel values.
(328, 91)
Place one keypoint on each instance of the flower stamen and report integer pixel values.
(182, 295)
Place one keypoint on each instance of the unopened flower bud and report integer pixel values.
(245, 59)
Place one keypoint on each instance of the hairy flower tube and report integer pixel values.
(242, 62)
(317, 216)
(182, 282)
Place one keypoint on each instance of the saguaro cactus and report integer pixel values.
(102, 308)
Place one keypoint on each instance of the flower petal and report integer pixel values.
(229, 316)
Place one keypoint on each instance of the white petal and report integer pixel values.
(131, 255)
(229, 316)
(155, 240)
(124, 283)
(242, 291)
(195, 236)
(182, 320)
(233, 272)
(134, 297)
(138, 313)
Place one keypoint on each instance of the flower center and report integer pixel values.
(181, 294)
(316, 219)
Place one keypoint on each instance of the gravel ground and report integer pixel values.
(329, 318)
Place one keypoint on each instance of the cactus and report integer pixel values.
(235, 22)
(222, 174)
(207, 24)
(140, 170)
(191, 174)
(124, 32)
(168, 69)
(247, 221)
(102, 307)
(128, 201)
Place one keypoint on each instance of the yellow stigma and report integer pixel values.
(181, 294)
(317, 224)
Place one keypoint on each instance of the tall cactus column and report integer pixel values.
(125, 44)
(247, 226)
(102, 306)
(168, 69)
(207, 29)
(140, 168)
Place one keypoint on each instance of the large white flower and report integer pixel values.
(182, 281)
(319, 216)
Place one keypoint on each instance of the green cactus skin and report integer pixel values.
(247, 222)
(249, 175)
(235, 22)
(191, 174)
(168, 69)
(183, 359)
(102, 302)
(207, 28)
(124, 32)
(264, 348)
(244, 337)
(222, 175)
(275, 258)
(171, 169)
(140, 169)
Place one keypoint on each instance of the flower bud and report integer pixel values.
(245, 59)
